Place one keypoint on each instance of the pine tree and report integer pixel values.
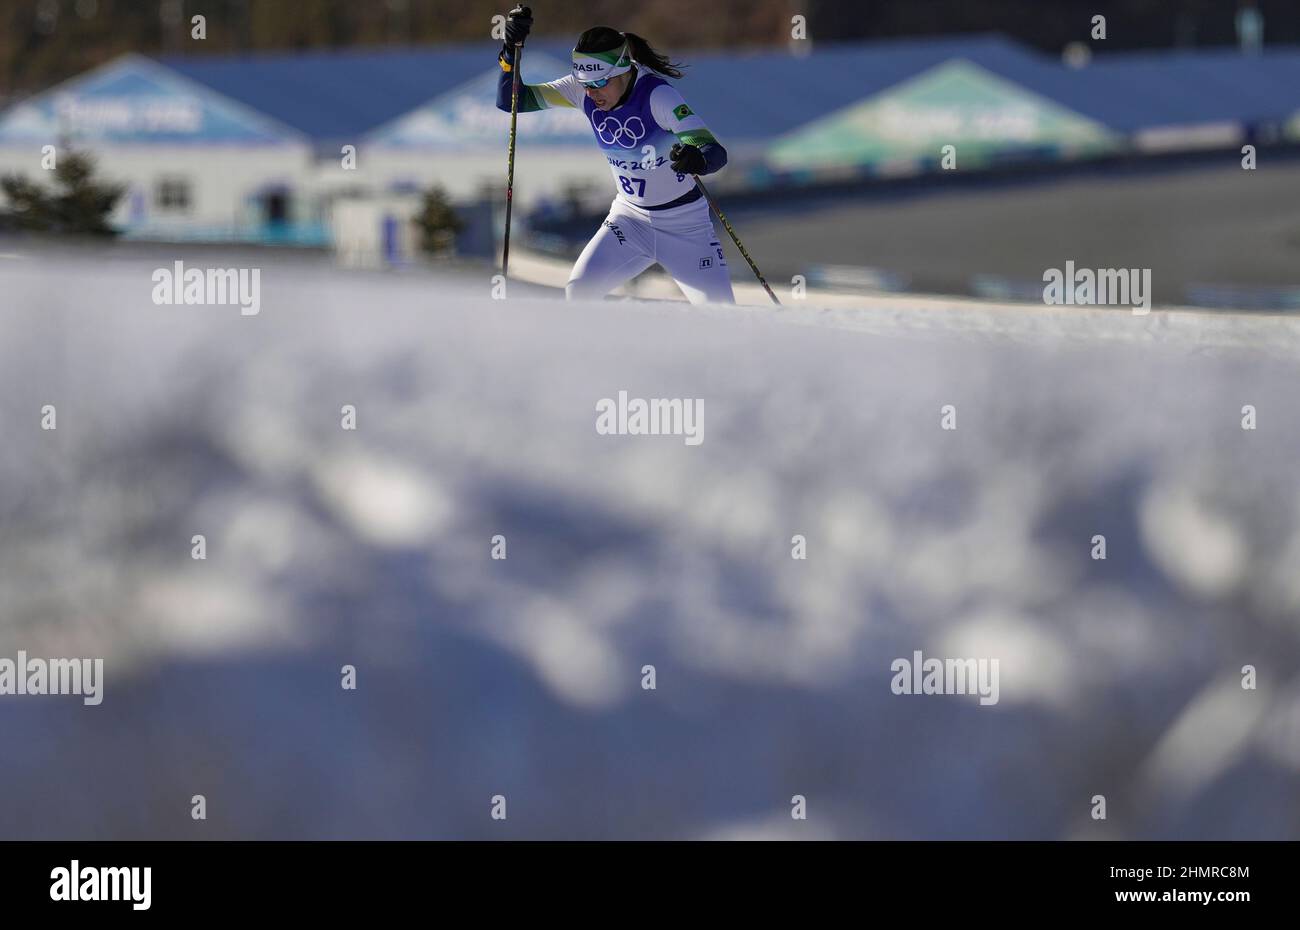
(438, 222)
(79, 204)
(29, 205)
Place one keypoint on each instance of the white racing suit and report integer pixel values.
(631, 239)
(658, 215)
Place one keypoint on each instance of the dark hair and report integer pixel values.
(607, 39)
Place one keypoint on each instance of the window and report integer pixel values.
(173, 195)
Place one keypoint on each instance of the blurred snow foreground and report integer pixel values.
(523, 677)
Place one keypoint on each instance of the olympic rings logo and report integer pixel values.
(624, 134)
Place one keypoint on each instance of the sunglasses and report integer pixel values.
(601, 83)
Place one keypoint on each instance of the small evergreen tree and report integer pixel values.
(438, 222)
(29, 204)
(79, 204)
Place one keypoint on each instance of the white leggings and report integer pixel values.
(631, 239)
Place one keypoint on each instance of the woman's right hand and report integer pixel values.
(518, 22)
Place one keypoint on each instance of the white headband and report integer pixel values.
(594, 66)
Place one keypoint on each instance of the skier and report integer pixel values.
(653, 142)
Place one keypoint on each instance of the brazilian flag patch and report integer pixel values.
(682, 112)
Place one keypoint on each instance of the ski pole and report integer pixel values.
(734, 238)
(510, 174)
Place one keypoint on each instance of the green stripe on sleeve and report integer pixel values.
(696, 137)
(529, 101)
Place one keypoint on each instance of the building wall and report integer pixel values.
(540, 172)
(227, 185)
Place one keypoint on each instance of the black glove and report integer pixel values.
(518, 22)
(687, 159)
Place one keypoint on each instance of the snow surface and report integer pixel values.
(522, 677)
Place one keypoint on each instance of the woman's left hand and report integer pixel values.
(687, 159)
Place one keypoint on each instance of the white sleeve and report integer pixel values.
(671, 113)
(564, 89)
